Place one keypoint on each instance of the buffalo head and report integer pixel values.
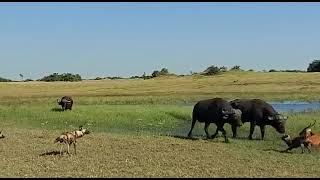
(278, 122)
(235, 103)
(234, 115)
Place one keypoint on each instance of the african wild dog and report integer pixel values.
(1, 135)
(71, 138)
(303, 140)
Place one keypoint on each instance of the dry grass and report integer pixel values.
(31, 126)
(110, 155)
(269, 86)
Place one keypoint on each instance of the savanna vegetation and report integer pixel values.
(139, 127)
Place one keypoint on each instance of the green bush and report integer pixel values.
(155, 74)
(314, 66)
(4, 80)
(212, 70)
(61, 77)
(236, 68)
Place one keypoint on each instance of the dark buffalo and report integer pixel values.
(218, 111)
(66, 102)
(258, 112)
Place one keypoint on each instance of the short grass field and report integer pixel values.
(138, 128)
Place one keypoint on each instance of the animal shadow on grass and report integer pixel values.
(183, 137)
(246, 138)
(56, 109)
(50, 153)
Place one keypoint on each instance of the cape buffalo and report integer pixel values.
(66, 102)
(218, 111)
(258, 112)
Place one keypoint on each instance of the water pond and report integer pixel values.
(295, 106)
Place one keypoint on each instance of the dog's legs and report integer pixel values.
(75, 150)
(302, 148)
(61, 149)
(68, 148)
(307, 145)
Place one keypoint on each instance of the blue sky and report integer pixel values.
(127, 39)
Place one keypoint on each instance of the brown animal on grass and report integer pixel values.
(304, 140)
(70, 138)
(295, 143)
(314, 139)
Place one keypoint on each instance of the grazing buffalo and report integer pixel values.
(218, 111)
(258, 112)
(66, 102)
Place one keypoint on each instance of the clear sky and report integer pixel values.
(127, 39)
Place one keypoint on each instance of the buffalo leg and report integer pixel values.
(215, 134)
(224, 133)
(262, 129)
(234, 131)
(252, 126)
(192, 125)
(206, 126)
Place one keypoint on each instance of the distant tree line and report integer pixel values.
(4, 80)
(61, 77)
(314, 66)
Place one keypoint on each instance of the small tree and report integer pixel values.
(155, 74)
(144, 75)
(223, 69)
(212, 70)
(314, 66)
(235, 68)
(21, 77)
(164, 71)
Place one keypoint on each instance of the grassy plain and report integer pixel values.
(138, 128)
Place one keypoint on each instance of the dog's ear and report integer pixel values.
(81, 127)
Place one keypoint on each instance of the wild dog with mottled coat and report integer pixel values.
(1, 135)
(304, 139)
(70, 138)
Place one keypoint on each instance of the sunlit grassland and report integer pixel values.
(29, 152)
(138, 128)
(276, 86)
